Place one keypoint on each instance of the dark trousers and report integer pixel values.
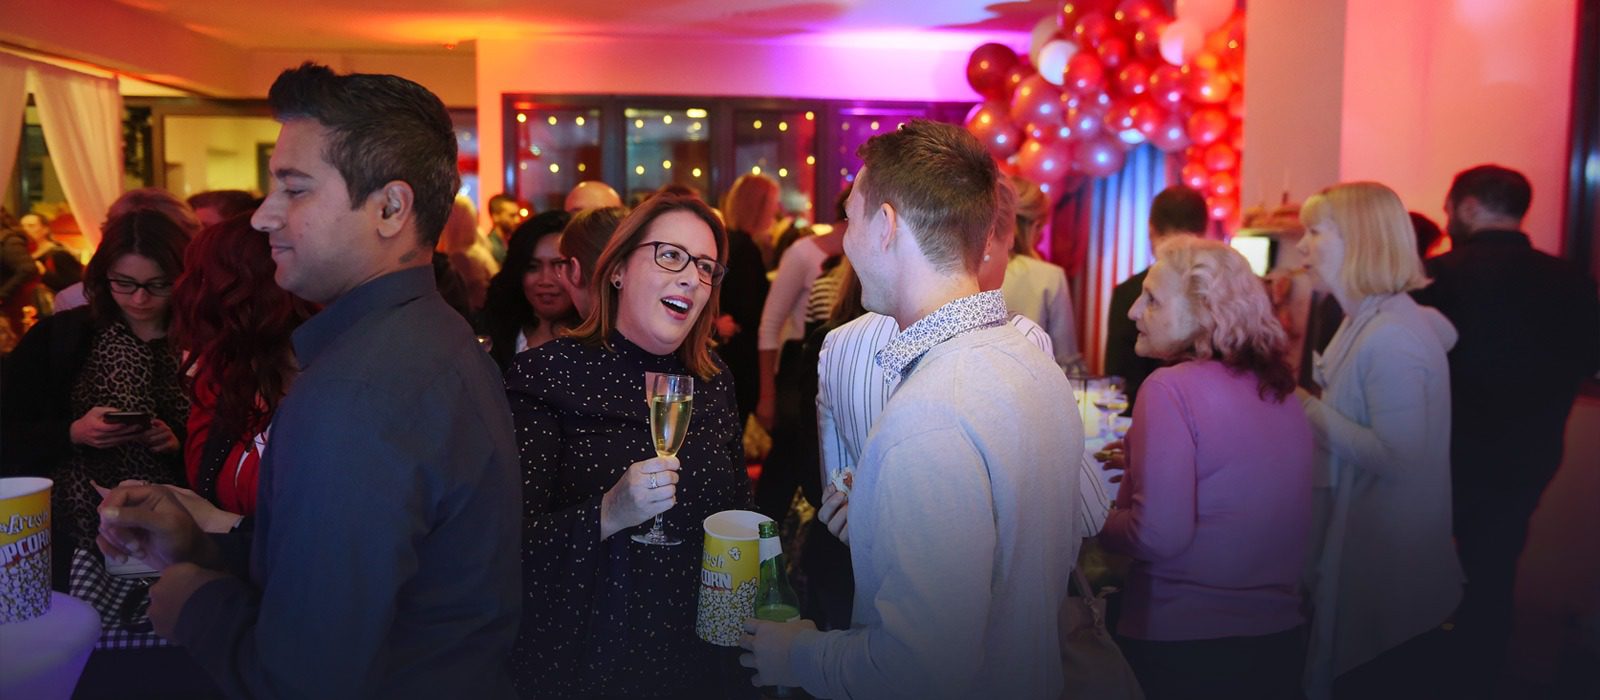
(1491, 532)
(1425, 666)
(1267, 667)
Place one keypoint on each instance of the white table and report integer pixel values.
(41, 659)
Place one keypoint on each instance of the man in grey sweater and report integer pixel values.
(964, 535)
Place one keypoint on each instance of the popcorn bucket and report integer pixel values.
(729, 566)
(24, 548)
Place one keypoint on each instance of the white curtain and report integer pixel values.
(13, 103)
(82, 120)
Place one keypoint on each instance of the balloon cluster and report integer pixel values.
(1102, 77)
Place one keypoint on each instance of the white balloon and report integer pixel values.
(1053, 57)
(1206, 14)
(1180, 41)
(1043, 32)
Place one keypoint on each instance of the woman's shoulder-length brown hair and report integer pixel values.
(695, 352)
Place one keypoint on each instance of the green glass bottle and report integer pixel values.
(775, 598)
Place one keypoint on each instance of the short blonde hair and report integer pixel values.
(750, 197)
(1233, 316)
(1380, 244)
(1032, 208)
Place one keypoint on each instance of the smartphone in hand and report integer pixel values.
(138, 418)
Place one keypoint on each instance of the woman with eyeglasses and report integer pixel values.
(605, 615)
(92, 395)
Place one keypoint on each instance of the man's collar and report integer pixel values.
(963, 315)
(1501, 236)
(390, 290)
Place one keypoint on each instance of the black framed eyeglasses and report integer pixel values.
(156, 287)
(673, 258)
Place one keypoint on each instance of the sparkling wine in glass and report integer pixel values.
(671, 398)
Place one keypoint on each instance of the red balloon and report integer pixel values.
(1046, 133)
(1132, 13)
(1084, 121)
(1207, 86)
(1134, 79)
(1017, 74)
(1084, 74)
(1208, 126)
(1113, 52)
(1036, 102)
(1172, 135)
(991, 123)
(1236, 138)
(1236, 104)
(1119, 117)
(1220, 156)
(1147, 40)
(986, 69)
(1074, 10)
(1044, 162)
(1147, 117)
(1092, 29)
(1195, 176)
(1222, 185)
(1166, 85)
(1099, 156)
(1224, 208)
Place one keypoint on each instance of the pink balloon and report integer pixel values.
(986, 69)
(1132, 13)
(1221, 156)
(1166, 85)
(1172, 135)
(1180, 41)
(1134, 79)
(1036, 102)
(1092, 29)
(991, 124)
(1208, 126)
(1099, 156)
(1044, 162)
(1084, 74)
(1147, 40)
(1205, 14)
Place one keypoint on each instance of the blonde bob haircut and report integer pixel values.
(747, 201)
(1233, 316)
(1380, 244)
(1031, 209)
(695, 352)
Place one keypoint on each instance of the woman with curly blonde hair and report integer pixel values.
(1215, 505)
(1382, 427)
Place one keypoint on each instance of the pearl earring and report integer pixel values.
(986, 257)
(616, 282)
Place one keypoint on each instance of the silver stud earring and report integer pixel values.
(616, 282)
(986, 257)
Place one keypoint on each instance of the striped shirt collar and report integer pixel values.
(963, 315)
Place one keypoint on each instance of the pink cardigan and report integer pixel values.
(1215, 507)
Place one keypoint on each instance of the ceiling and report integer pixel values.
(441, 25)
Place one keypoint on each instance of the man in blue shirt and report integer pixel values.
(383, 561)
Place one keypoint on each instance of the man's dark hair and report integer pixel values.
(382, 128)
(228, 203)
(502, 198)
(1179, 209)
(1501, 190)
(1427, 233)
(941, 181)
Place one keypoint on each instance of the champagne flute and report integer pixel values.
(670, 397)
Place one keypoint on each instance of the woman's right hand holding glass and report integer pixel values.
(647, 489)
(92, 430)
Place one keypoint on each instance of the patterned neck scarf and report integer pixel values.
(964, 315)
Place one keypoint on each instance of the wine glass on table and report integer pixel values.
(671, 397)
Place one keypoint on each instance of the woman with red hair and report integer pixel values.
(233, 323)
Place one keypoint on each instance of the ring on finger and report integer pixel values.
(653, 483)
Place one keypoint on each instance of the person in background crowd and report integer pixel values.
(1530, 336)
(1215, 505)
(591, 194)
(749, 209)
(967, 533)
(216, 206)
(93, 396)
(59, 267)
(1035, 288)
(581, 242)
(388, 501)
(469, 253)
(605, 615)
(682, 190)
(1428, 233)
(144, 198)
(1175, 210)
(1382, 427)
(526, 305)
(19, 278)
(233, 324)
(505, 214)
